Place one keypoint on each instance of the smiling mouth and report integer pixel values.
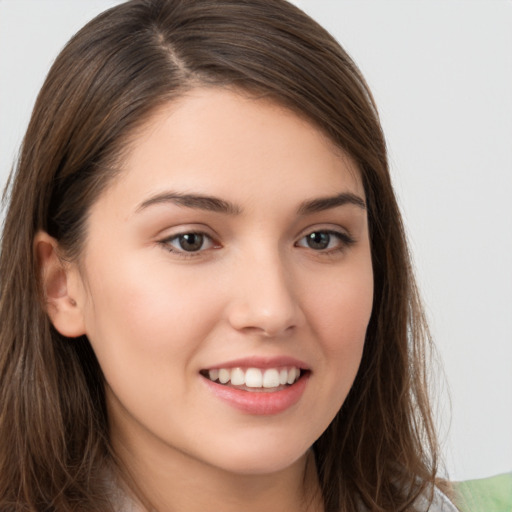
(255, 379)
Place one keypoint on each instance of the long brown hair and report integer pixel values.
(380, 450)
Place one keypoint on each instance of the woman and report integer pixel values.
(206, 295)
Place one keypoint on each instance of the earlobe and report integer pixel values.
(59, 282)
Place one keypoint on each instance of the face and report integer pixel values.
(226, 284)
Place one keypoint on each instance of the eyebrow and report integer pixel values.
(197, 201)
(326, 203)
(217, 205)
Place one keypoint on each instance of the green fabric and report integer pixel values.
(486, 495)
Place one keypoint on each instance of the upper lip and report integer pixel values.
(262, 362)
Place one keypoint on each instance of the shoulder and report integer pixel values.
(442, 503)
(439, 502)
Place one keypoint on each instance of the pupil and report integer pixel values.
(318, 240)
(191, 241)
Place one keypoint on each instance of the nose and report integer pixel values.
(264, 299)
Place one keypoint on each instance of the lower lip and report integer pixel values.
(260, 403)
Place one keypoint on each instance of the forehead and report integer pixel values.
(219, 141)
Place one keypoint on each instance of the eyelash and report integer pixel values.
(344, 242)
(166, 243)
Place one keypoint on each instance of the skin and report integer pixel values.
(157, 315)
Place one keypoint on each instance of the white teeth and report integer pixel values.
(237, 377)
(292, 375)
(271, 378)
(224, 376)
(255, 377)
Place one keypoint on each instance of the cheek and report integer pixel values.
(142, 322)
(339, 312)
(141, 314)
(342, 309)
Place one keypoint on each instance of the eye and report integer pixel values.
(325, 241)
(188, 242)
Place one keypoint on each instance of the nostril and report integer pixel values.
(264, 301)
(264, 322)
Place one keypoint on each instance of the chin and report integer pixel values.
(261, 460)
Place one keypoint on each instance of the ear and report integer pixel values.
(62, 287)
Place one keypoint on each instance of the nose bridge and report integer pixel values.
(264, 300)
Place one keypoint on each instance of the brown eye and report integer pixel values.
(188, 242)
(325, 241)
(318, 240)
(191, 242)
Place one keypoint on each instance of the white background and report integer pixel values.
(441, 73)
